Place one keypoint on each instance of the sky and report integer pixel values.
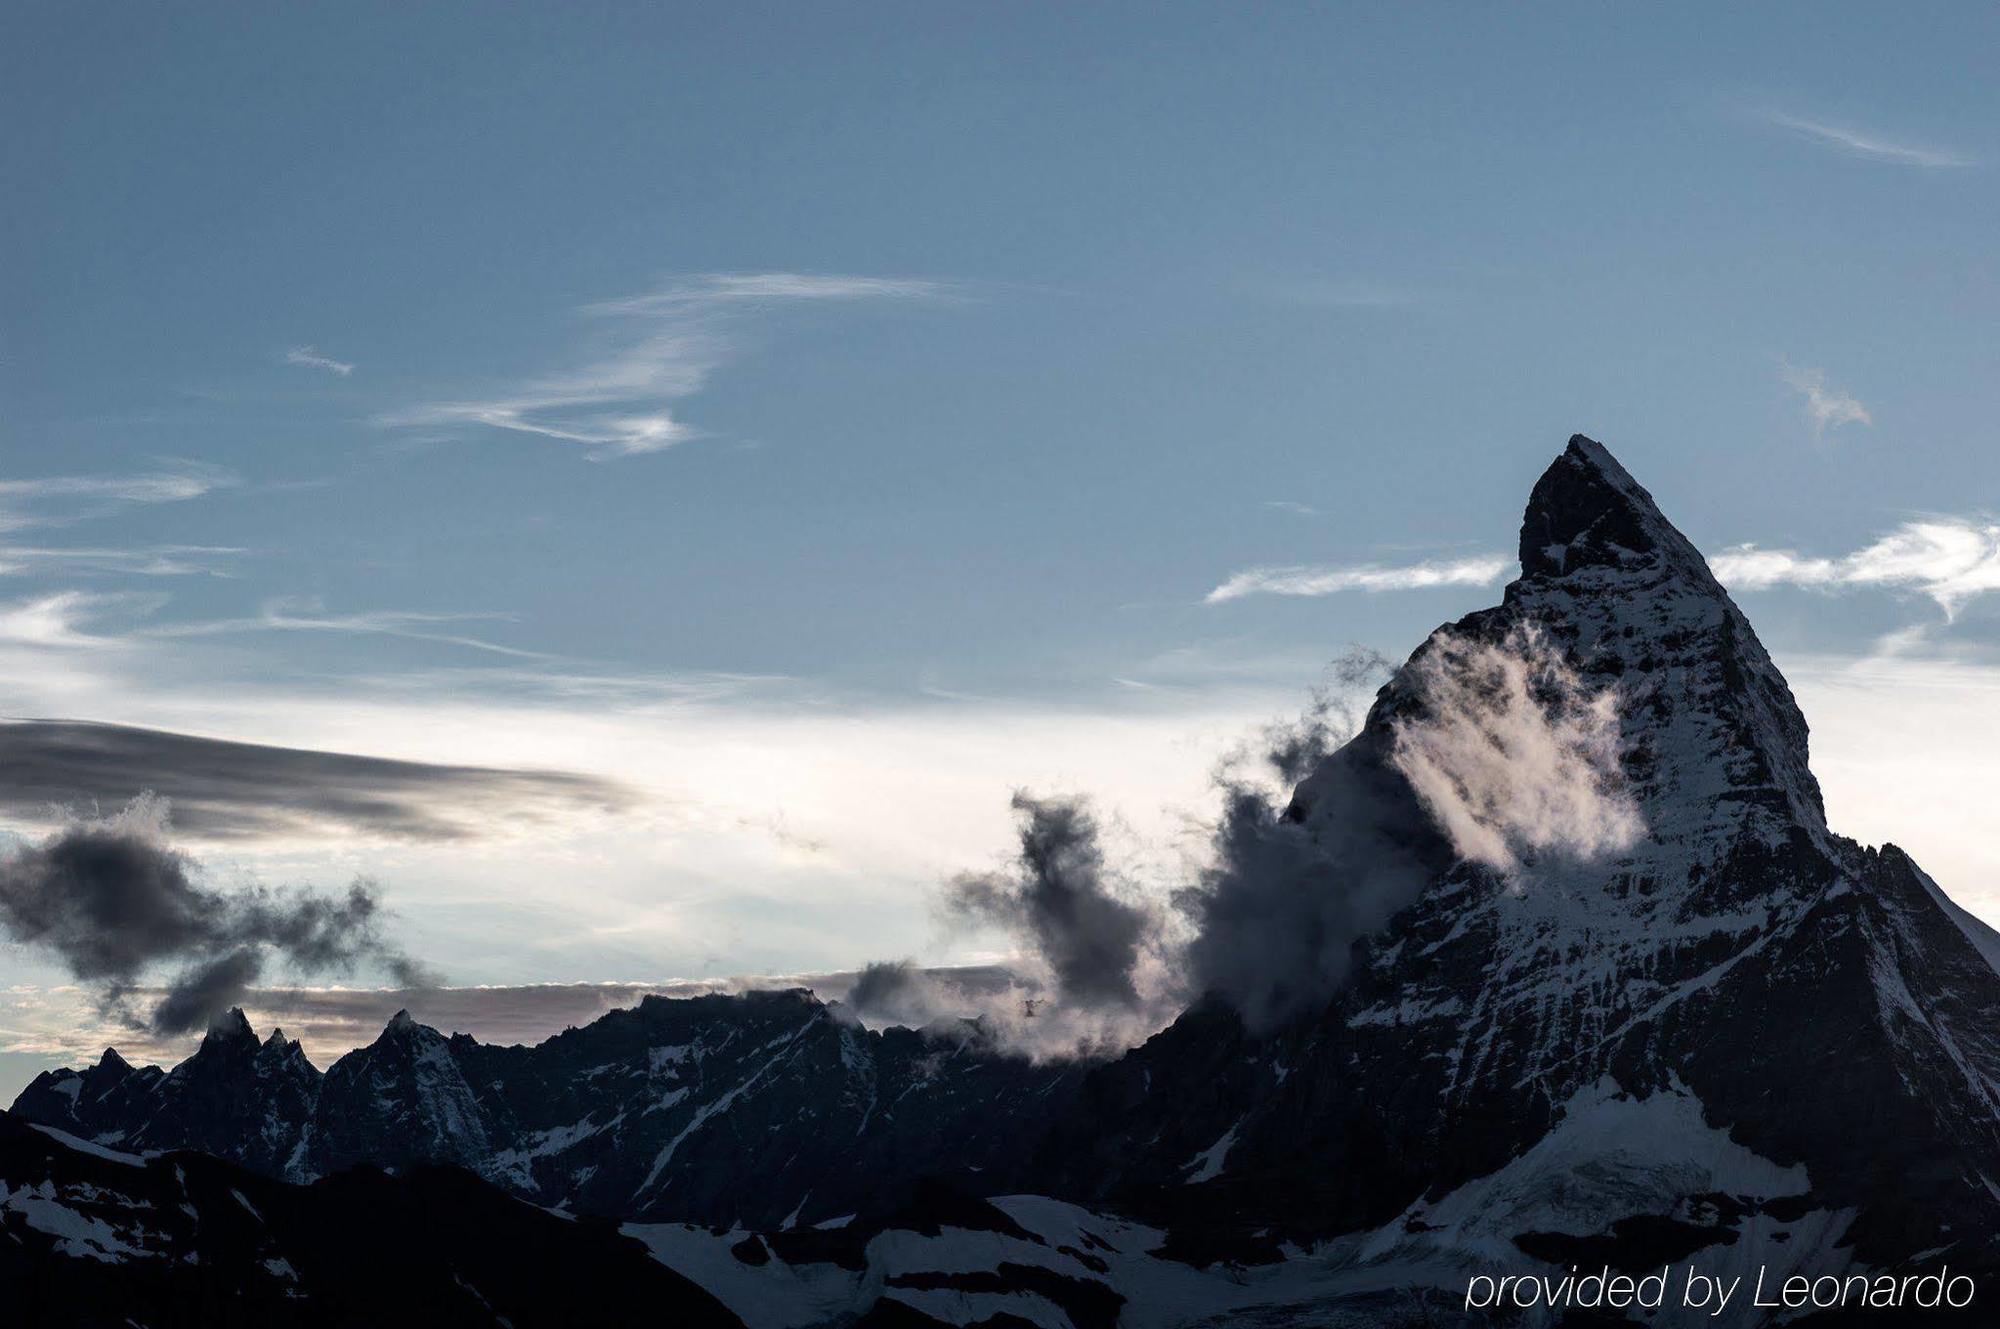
(744, 444)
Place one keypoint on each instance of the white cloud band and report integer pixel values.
(1950, 559)
(1481, 570)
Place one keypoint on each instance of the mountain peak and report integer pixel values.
(230, 1028)
(402, 1025)
(1588, 511)
(111, 1061)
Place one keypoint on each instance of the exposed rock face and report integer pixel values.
(764, 1107)
(235, 1098)
(106, 1099)
(403, 1099)
(1821, 1003)
(756, 1108)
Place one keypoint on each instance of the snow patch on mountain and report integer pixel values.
(77, 1234)
(774, 1295)
(1611, 1155)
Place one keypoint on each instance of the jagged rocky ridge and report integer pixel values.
(755, 1108)
(1739, 1039)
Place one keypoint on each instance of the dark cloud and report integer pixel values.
(899, 992)
(1486, 752)
(892, 990)
(1293, 884)
(114, 902)
(206, 991)
(1294, 749)
(1062, 901)
(225, 790)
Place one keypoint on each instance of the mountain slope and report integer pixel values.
(235, 1098)
(1817, 1001)
(756, 1108)
(92, 1237)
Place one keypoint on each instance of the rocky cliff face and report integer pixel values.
(235, 1097)
(760, 1108)
(1777, 1015)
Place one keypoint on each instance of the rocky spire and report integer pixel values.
(1710, 721)
(229, 1030)
(1588, 511)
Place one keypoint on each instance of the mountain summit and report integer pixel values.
(1588, 510)
(1646, 983)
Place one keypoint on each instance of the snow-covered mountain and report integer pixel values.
(758, 1108)
(1619, 996)
(235, 1098)
(1730, 1033)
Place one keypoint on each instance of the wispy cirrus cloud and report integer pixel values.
(1951, 560)
(308, 358)
(149, 561)
(1827, 407)
(1310, 580)
(58, 500)
(306, 616)
(1866, 143)
(656, 349)
(726, 287)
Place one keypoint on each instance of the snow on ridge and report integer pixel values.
(1982, 937)
(42, 1208)
(95, 1150)
(786, 1045)
(1208, 1164)
(1610, 1155)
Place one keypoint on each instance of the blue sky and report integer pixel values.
(829, 418)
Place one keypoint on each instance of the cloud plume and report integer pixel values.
(1297, 876)
(901, 992)
(1492, 753)
(1294, 749)
(114, 901)
(1513, 754)
(1481, 570)
(1267, 925)
(1950, 559)
(1065, 904)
